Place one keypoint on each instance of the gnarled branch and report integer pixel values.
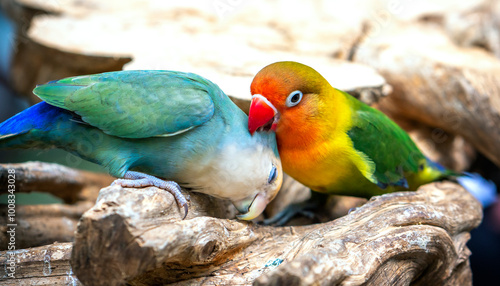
(136, 236)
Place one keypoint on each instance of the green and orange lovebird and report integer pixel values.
(333, 143)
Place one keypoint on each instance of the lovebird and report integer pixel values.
(333, 143)
(155, 128)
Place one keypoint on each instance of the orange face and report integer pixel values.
(286, 99)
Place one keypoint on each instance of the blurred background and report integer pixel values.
(435, 65)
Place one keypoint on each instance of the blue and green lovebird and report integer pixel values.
(336, 144)
(147, 127)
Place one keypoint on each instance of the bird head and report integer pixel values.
(262, 176)
(252, 206)
(283, 93)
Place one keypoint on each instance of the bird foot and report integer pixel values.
(133, 179)
(307, 209)
(283, 217)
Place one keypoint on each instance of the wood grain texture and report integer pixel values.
(39, 225)
(45, 265)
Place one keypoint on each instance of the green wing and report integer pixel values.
(388, 147)
(135, 104)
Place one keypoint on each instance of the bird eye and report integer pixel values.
(272, 175)
(294, 98)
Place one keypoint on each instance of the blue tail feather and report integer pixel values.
(40, 116)
(485, 191)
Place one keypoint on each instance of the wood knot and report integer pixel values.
(207, 249)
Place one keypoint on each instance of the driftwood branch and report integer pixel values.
(459, 94)
(42, 224)
(135, 236)
(395, 239)
(477, 27)
(46, 265)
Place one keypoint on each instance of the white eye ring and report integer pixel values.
(294, 98)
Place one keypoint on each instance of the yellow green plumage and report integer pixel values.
(332, 142)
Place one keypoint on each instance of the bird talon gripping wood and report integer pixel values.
(140, 180)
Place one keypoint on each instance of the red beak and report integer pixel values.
(262, 114)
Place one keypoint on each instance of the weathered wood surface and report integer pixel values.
(44, 224)
(46, 265)
(136, 236)
(477, 27)
(440, 84)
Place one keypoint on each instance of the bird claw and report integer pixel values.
(136, 180)
(185, 211)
